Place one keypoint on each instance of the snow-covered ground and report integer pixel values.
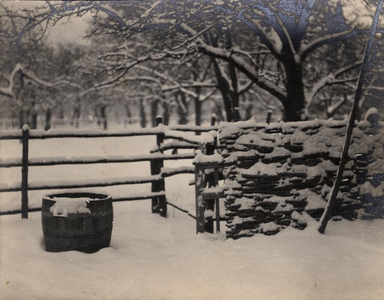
(156, 258)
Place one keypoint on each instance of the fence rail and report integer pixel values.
(156, 159)
(133, 197)
(52, 161)
(79, 133)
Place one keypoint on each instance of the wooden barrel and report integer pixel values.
(77, 221)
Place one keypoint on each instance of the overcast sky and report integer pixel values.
(65, 31)
(74, 30)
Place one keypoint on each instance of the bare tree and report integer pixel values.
(283, 35)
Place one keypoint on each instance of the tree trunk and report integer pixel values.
(103, 116)
(129, 113)
(34, 119)
(61, 114)
(182, 109)
(154, 111)
(224, 89)
(182, 116)
(230, 100)
(218, 111)
(294, 105)
(166, 112)
(143, 116)
(197, 112)
(227, 106)
(21, 117)
(14, 119)
(76, 114)
(234, 94)
(235, 106)
(248, 107)
(48, 117)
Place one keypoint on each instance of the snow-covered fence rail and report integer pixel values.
(62, 160)
(280, 174)
(156, 159)
(172, 131)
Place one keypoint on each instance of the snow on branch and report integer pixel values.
(176, 84)
(245, 87)
(23, 71)
(205, 97)
(256, 26)
(195, 36)
(330, 79)
(261, 100)
(248, 69)
(189, 85)
(119, 80)
(288, 37)
(248, 55)
(331, 109)
(327, 39)
(244, 67)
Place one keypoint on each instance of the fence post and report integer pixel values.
(24, 172)
(217, 202)
(210, 180)
(269, 116)
(159, 204)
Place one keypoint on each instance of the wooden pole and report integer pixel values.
(364, 68)
(159, 204)
(217, 200)
(24, 172)
(210, 180)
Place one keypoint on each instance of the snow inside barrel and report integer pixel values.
(77, 221)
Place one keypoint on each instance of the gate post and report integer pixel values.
(210, 179)
(159, 203)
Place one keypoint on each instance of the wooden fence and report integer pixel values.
(156, 159)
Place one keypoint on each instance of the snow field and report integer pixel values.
(156, 258)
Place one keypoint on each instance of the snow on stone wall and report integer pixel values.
(280, 174)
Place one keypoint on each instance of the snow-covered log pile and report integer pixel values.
(280, 174)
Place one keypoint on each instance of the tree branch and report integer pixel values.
(333, 108)
(327, 39)
(330, 79)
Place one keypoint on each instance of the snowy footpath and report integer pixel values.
(154, 258)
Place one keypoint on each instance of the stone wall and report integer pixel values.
(279, 175)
